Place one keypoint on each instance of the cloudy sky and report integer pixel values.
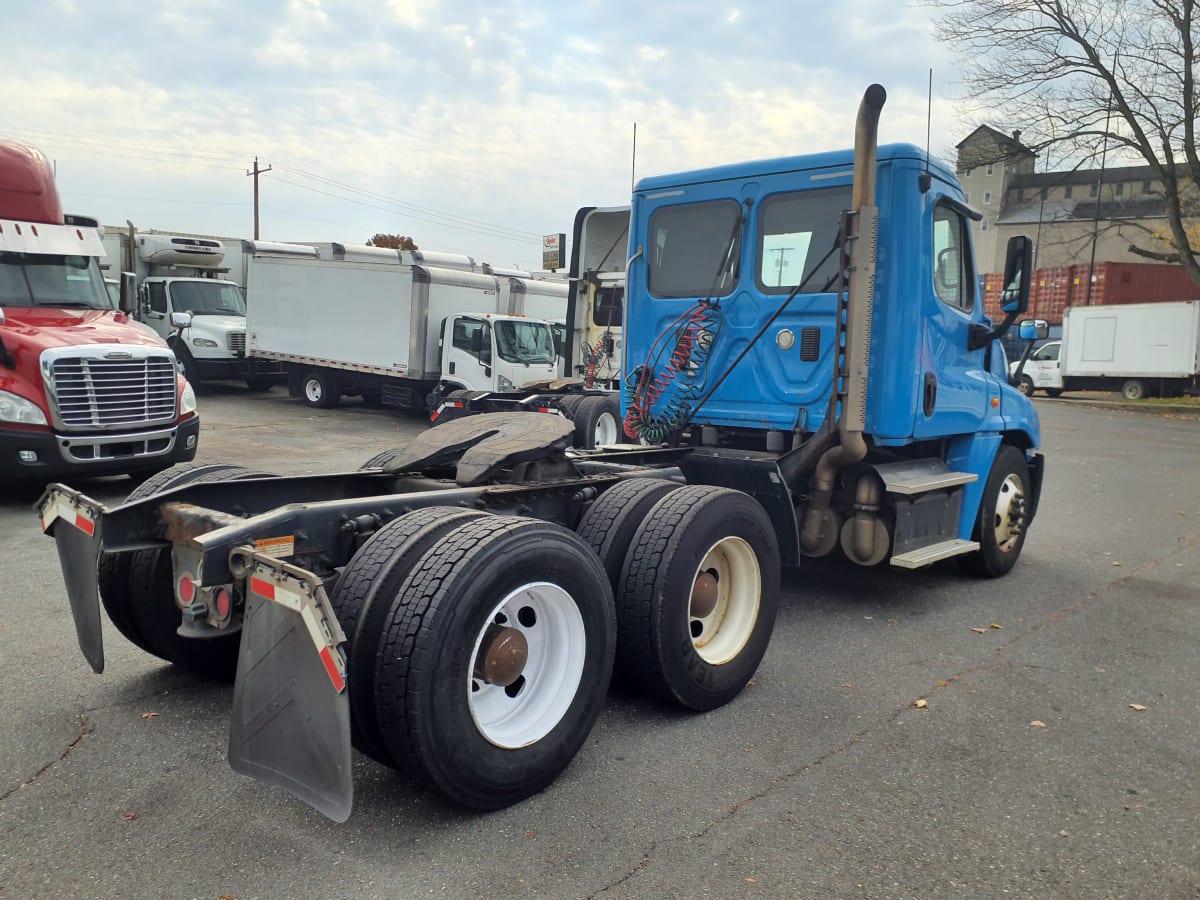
(474, 127)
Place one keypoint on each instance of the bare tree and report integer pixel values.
(1089, 77)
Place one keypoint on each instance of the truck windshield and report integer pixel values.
(42, 279)
(213, 298)
(524, 342)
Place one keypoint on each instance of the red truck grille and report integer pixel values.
(116, 393)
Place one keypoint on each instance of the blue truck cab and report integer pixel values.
(752, 299)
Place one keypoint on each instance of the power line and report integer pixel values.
(403, 203)
(496, 233)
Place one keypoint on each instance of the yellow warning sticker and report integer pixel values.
(277, 547)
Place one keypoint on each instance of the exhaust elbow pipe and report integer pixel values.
(816, 535)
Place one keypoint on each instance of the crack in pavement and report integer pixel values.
(85, 729)
(1187, 542)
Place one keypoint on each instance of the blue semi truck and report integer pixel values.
(456, 607)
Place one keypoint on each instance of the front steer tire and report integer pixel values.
(668, 640)
(484, 745)
(1002, 523)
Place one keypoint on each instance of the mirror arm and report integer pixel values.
(980, 335)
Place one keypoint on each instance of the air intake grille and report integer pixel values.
(810, 344)
(237, 342)
(93, 393)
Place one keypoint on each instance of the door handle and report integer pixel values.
(930, 397)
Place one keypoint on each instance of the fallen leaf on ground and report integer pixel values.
(921, 704)
(1037, 723)
(943, 683)
(1116, 564)
(847, 684)
(997, 627)
(752, 880)
(149, 715)
(1137, 707)
(868, 618)
(129, 816)
(979, 630)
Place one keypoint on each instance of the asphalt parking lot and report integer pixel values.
(1057, 754)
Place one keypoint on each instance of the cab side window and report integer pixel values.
(952, 273)
(464, 339)
(1048, 352)
(157, 294)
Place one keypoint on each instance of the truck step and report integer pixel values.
(924, 556)
(921, 476)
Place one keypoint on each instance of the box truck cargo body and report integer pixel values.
(367, 324)
(1137, 349)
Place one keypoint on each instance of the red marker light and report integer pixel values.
(187, 589)
(224, 604)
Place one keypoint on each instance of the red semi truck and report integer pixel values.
(84, 389)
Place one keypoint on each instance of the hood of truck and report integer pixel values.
(32, 330)
(217, 324)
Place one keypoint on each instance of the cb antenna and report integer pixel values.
(926, 180)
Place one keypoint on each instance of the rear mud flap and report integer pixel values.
(79, 553)
(291, 710)
(75, 522)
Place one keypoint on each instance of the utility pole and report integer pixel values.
(256, 171)
(780, 263)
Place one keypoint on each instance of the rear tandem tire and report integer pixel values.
(113, 568)
(149, 599)
(609, 524)
(698, 643)
(502, 581)
(377, 569)
(597, 422)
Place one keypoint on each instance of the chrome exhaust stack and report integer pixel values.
(820, 531)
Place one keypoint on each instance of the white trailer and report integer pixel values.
(364, 322)
(1138, 349)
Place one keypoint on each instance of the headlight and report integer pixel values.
(17, 409)
(505, 385)
(204, 342)
(187, 400)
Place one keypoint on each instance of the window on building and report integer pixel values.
(1092, 189)
(1146, 187)
(983, 224)
(1045, 193)
(1067, 191)
(987, 196)
(991, 169)
(967, 173)
(1120, 188)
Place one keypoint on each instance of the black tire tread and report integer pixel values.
(610, 522)
(398, 661)
(385, 558)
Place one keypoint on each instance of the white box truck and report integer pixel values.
(1138, 349)
(363, 322)
(186, 293)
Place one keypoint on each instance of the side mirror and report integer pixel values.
(1018, 275)
(1033, 330)
(128, 292)
(181, 320)
(477, 341)
(558, 343)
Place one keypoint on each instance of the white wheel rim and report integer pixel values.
(312, 390)
(526, 711)
(1008, 507)
(722, 634)
(606, 429)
